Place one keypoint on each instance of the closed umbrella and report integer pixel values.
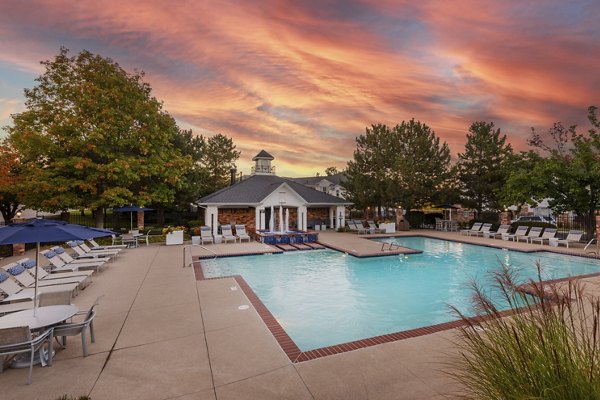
(44, 231)
(131, 209)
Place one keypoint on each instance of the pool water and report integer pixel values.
(325, 297)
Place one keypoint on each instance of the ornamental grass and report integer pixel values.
(546, 348)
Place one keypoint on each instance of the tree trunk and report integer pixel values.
(160, 216)
(99, 214)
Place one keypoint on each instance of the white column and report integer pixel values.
(280, 218)
(212, 218)
(332, 217)
(287, 219)
(257, 215)
(302, 218)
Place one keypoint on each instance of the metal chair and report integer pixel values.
(54, 299)
(78, 328)
(18, 340)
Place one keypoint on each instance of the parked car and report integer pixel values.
(535, 218)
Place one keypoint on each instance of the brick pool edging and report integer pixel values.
(294, 353)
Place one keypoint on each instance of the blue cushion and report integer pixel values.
(49, 254)
(3, 276)
(28, 263)
(59, 250)
(72, 243)
(16, 270)
(79, 242)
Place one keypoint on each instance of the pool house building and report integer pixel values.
(265, 201)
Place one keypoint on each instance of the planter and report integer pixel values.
(175, 237)
(195, 239)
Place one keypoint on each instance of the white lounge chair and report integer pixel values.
(30, 266)
(15, 292)
(521, 231)
(240, 232)
(534, 232)
(373, 227)
(60, 265)
(549, 233)
(83, 249)
(227, 234)
(96, 246)
(67, 258)
(20, 274)
(206, 235)
(485, 228)
(572, 238)
(501, 229)
(475, 228)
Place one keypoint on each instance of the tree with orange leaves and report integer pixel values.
(9, 179)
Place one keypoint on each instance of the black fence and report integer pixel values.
(124, 221)
(568, 222)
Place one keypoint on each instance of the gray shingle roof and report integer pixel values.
(254, 189)
(263, 154)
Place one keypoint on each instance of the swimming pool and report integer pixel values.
(325, 297)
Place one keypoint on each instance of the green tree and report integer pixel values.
(92, 136)
(568, 175)
(331, 171)
(196, 177)
(403, 166)
(219, 158)
(483, 167)
(421, 170)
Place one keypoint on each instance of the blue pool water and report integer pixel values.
(325, 297)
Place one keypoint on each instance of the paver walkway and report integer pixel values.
(163, 335)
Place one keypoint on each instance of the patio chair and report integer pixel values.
(82, 276)
(534, 232)
(475, 228)
(19, 274)
(360, 228)
(54, 299)
(240, 232)
(521, 231)
(496, 234)
(78, 328)
(549, 233)
(227, 234)
(572, 238)
(18, 340)
(374, 227)
(67, 258)
(96, 246)
(485, 228)
(206, 235)
(59, 265)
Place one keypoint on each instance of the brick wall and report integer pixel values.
(318, 213)
(240, 216)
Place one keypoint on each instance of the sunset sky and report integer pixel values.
(302, 79)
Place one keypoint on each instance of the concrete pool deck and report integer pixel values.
(160, 334)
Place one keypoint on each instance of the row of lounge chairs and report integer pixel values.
(363, 227)
(533, 235)
(227, 234)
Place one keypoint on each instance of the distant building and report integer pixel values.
(264, 201)
(330, 184)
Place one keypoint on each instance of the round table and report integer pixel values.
(44, 317)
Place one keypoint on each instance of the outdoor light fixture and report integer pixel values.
(18, 214)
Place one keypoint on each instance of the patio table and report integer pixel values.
(44, 317)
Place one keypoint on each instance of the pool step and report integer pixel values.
(299, 246)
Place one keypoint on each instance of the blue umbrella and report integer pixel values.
(131, 209)
(44, 231)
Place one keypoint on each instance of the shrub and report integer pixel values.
(67, 397)
(514, 225)
(195, 222)
(489, 217)
(547, 349)
(415, 218)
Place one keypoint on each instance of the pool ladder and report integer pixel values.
(390, 247)
(195, 245)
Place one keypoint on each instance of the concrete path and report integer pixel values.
(163, 335)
